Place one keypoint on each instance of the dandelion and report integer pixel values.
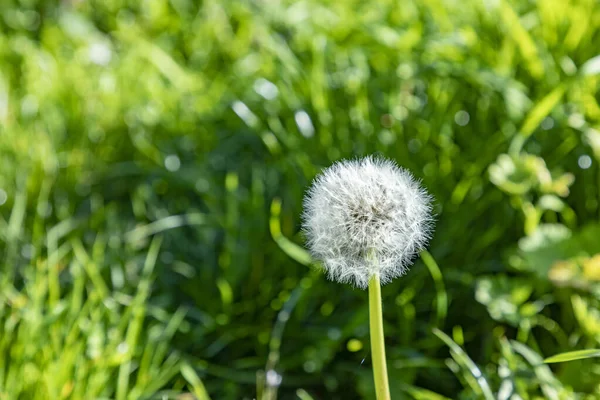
(366, 217)
(366, 220)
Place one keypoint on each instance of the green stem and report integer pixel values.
(377, 340)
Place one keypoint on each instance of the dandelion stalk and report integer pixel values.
(380, 375)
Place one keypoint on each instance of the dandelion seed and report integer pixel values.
(366, 217)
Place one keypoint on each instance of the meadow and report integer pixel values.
(153, 160)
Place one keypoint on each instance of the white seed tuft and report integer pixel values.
(365, 217)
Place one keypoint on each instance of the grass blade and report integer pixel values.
(549, 384)
(441, 301)
(573, 355)
(290, 248)
(194, 381)
(479, 384)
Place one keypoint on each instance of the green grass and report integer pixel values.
(153, 160)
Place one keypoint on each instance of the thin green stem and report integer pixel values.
(377, 340)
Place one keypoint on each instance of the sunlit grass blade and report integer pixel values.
(89, 266)
(290, 248)
(138, 313)
(536, 116)
(194, 381)
(522, 38)
(303, 395)
(440, 289)
(170, 222)
(419, 393)
(573, 355)
(550, 385)
(476, 379)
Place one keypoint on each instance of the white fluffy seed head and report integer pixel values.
(364, 217)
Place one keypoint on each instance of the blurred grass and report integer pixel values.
(202, 123)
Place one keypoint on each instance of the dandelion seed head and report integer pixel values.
(364, 217)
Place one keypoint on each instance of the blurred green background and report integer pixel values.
(153, 160)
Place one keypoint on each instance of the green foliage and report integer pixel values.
(153, 160)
